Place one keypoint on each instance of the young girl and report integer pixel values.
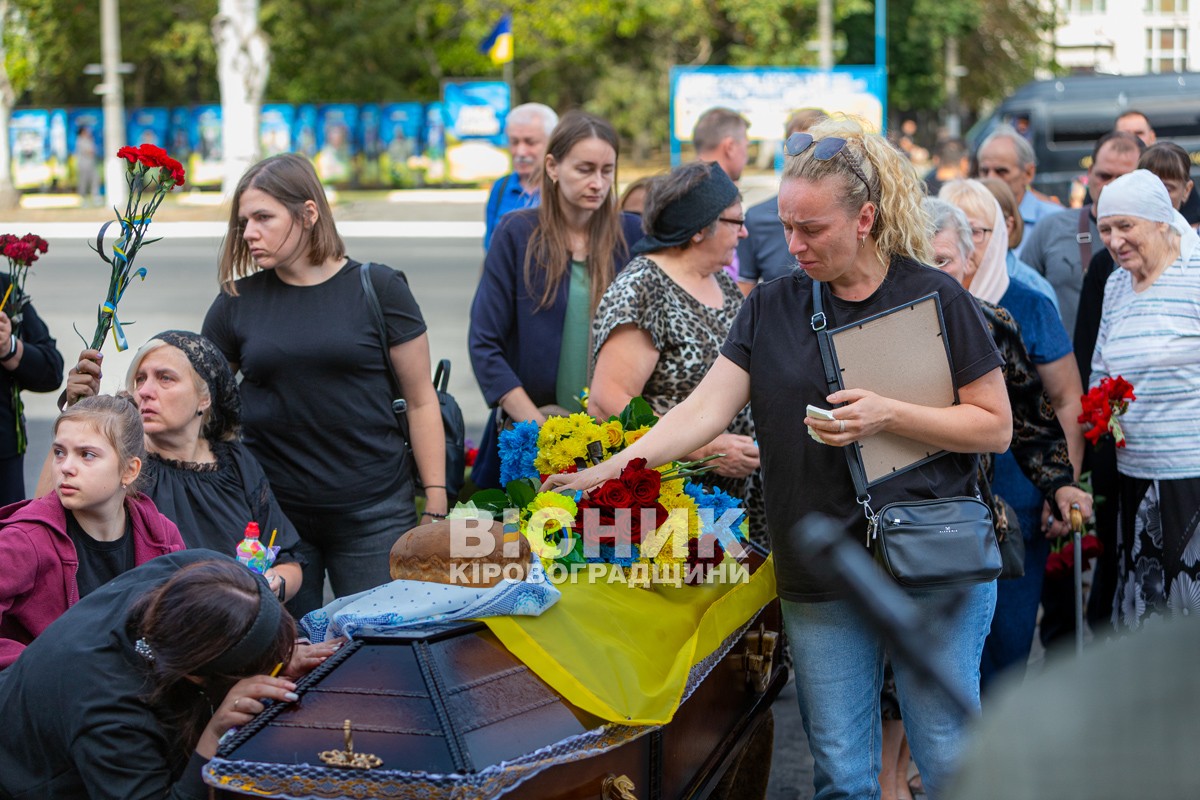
(93, 527)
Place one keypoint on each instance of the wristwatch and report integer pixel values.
(282, 587)
(12, 351)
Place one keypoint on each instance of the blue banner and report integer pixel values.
(275, 128)
(400, 135)
(475, 113)
(204, 131)
(29, 138)
(304, 131)
(336, 142)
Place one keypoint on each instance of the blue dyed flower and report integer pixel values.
(608, 555)
(712, 503)
(518, 449)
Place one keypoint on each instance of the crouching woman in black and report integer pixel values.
(126, 695)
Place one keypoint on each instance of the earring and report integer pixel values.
(862, 242)
(200, 412)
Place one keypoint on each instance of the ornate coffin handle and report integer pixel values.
(759, 657)
(347, 757)
(618, 787)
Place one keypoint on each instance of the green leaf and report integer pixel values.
(637, 414)
(522, 492)
(493, 501)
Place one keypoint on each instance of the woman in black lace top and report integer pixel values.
(197, 471)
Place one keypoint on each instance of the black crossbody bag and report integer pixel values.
(452, 418)
(920, 543)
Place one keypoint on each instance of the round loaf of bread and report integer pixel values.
(476, 556)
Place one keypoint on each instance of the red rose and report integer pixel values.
(130, 154)
(1057, 564)
(1092, 547)
(660, 517)
(705, 553)
(645, 485)
(613, 494)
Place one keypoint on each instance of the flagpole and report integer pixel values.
(508, 78)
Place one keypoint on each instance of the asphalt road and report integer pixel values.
(180, 285)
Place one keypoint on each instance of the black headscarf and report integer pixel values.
(225, 414)
(691, 213)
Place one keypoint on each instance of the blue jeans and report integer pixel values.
(353, 546)
(839, 672)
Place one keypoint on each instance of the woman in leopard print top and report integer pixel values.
(661, 323)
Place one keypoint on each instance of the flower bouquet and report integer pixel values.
(20, 252)
(147, 168)
(1102, 405)
(656, 525)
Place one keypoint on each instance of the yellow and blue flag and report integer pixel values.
(499, 43)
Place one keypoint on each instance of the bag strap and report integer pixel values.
(399, 406)
(820, 325)
(1084, 238)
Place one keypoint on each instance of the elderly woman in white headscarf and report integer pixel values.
(1150, 336)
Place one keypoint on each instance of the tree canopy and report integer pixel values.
(612, 57)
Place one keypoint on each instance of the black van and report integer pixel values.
(1064, 117)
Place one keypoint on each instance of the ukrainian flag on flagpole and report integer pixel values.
(499, 43)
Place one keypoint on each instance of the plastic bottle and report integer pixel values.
(251, 551)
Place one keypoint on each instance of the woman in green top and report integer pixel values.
(544, 275)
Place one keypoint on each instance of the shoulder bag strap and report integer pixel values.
(820, 324)
(399, 407)
(1084, 238)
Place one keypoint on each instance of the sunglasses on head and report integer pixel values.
(825, 150)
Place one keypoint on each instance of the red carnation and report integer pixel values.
(153, 156)
(175, 169)
(130, 154)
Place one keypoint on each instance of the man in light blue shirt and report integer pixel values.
(1007, 155)
(528, 128)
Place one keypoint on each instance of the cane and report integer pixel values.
(1077, 540)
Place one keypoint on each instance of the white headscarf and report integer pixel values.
(1142, 194)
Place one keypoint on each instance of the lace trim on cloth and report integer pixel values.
(301, 781)
(192, 466)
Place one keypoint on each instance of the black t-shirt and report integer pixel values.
(772, 339)
(316, 397)
(99, 562)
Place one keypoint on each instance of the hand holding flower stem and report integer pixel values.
(145, 166)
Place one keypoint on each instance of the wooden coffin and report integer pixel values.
(455, 715)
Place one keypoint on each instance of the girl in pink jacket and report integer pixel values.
(93, 527)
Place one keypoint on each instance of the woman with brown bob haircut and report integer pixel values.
(295, 319)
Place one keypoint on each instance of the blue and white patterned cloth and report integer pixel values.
(401, 608)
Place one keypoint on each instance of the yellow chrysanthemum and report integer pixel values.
(552, 500)
(554, 429)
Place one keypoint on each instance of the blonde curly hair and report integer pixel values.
(901, 225)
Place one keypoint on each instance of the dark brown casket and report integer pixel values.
(455, 715)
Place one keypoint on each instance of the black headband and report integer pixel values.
(691, 213)
(257, 641)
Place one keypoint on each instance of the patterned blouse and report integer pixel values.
(688, 336)
(1038, 442)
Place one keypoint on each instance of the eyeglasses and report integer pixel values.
(733, 220)
(826, 149)
(978, 234)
